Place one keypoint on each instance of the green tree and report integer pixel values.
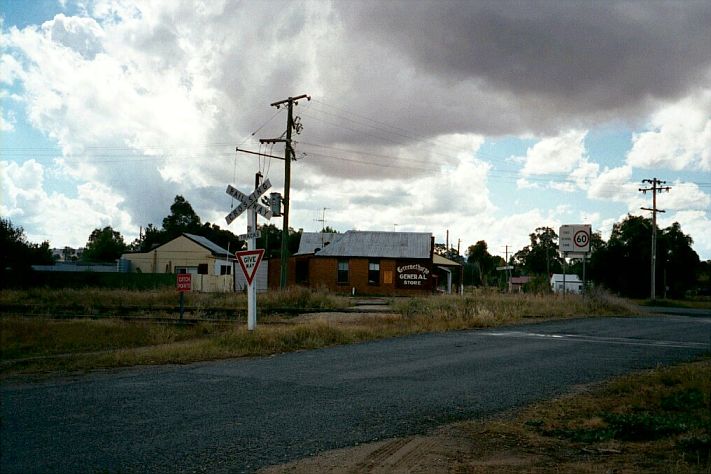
(540, 257)
(17, 255)
(478, 255)
(222, 237)
(150, 238)
(182, 219)
(624, 264)
(104, 245)
(678, 264)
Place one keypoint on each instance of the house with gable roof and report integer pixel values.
(211, 265)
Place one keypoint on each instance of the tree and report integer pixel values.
(478, 255)
(541, 256)
(182, 219)
(448, 253)
(104, 245)
(678, 261)
(150, 238)
(624, 264)
(222, 237)
(17, 255)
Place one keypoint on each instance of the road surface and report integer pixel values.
(239, 415)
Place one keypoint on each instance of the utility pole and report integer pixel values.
(656, 186)
(288, 156)
(508, 272)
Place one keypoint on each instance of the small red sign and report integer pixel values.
(184, 282)
(249, 261)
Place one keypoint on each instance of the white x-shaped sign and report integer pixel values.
(248, 202)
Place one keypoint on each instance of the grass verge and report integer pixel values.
(656, 422)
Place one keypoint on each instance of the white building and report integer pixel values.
(573, 283)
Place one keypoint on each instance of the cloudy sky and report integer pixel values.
(487, 119)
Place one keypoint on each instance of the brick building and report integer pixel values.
(369, 263)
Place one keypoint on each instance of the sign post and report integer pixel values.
(249, 260)
(574, 242)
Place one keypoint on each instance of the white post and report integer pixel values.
(252, 287)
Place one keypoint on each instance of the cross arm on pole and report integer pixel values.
(260, 154)
(290, 99)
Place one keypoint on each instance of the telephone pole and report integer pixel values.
(288, 156)
(656, 186)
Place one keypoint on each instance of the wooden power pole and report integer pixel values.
(656, 186)
(288, 156)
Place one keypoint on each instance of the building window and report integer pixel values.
(202, 269)
(191, 270)
(225, 269)
(374, 272)
(342, 271)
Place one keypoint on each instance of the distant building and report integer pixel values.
(447, 271)
(516, 283)
(364, 262)
(212, 266)
(569, 283)
(67, 254)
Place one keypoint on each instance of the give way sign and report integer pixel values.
(249, 261)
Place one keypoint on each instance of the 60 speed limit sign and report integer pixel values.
(574, 239)
(581, 239)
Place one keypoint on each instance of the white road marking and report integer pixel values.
(601, 339)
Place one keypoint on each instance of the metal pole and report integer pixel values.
(182, 304)
(252, 245)
(585, 287)
(564, 270)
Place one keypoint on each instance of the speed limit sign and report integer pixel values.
(574, 239)
(581, 239)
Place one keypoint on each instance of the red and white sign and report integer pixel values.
(574, 239)
(249, 261)
(184, 283)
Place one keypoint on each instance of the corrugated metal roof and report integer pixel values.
(310, 241)
(440, 260)
(356, 243)
(208, 244)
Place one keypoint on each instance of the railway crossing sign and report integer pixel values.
(249, 261)
(248, 202)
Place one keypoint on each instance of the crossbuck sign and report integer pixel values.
(248, 202)
(249, 260)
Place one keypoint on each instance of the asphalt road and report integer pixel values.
(239, 415)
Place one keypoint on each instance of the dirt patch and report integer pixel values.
(448, 449)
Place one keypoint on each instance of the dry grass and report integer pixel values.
(487, 309)
(654, 422)
(89, 301)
